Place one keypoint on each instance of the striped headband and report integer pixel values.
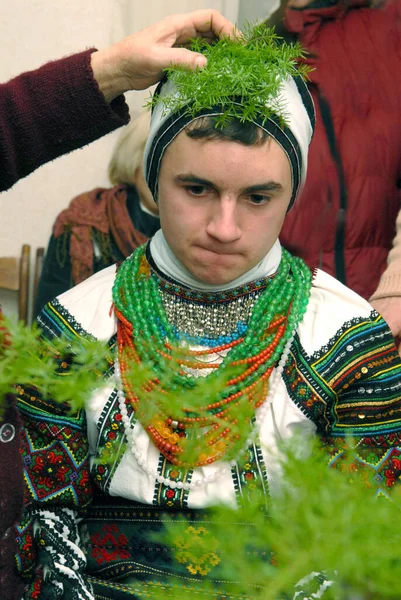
(294, 136)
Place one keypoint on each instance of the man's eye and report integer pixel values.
(259, 199)
(197, 190)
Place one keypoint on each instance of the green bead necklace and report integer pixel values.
(188, 415)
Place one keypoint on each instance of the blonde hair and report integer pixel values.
(128, 152)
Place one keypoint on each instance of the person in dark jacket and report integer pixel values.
(102, 226)
(344, 221)
(50, 111)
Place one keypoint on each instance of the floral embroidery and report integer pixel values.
(197, 550)
(110, 442)
(165, 495)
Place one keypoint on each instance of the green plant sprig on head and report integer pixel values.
(243, 75)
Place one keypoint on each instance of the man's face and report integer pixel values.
(222, 204)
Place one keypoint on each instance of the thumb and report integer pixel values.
(186, 58)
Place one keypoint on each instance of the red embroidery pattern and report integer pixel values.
(109, 545)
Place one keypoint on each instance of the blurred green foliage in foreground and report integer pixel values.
(322, 521)
(29, 360)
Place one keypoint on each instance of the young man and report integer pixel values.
(53, 110)
(211, 296)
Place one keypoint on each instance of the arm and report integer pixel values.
(387, 298)
(70, 102)
(51, 111)
(365, 413)
(58, 488)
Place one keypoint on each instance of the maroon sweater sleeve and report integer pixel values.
(50, 111)
(43, 114)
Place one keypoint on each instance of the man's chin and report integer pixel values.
(216, 276)
(214, 269)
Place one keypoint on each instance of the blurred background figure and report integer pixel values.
(102, 226)
(345, 220)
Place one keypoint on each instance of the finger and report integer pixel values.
(221, 26)
(208, 39)
(183, 57)
(201, 23)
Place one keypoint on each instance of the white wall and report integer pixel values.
(33, 32)
(254, 10)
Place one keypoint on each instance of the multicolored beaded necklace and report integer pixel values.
(238, 384)
(209, 319)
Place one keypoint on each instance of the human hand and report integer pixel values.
(390, 309)
(138, 61)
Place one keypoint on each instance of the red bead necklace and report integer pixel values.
(214, 424)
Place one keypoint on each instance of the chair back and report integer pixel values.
(15, 275)
(40, 256)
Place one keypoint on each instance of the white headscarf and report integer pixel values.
(294, 136)
(168, 263)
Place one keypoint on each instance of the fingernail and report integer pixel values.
(200, 61)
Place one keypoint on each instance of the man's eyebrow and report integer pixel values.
(268, 186)
(189, 178)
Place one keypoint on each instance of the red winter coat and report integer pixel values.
(344, 220)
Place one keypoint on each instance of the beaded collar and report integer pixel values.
(207, 318)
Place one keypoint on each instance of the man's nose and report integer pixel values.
(224, 223)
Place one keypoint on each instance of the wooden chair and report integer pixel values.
(40, 256)
(15, 275)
